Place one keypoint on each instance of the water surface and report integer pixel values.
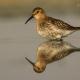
(18, 40)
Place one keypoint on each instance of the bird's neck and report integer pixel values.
(41, 63)
(41, 18)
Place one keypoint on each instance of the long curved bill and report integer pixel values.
(29, 61)
(29, 19)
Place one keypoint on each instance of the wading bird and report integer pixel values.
(51, 51)
(51, 28)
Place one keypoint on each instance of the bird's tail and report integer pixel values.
(77, 28)
(76, 49)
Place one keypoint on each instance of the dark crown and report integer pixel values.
(37, 8)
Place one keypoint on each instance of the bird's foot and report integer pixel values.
(59, 39)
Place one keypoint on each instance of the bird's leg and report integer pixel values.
(59, 39)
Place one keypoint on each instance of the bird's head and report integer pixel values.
(37, 13)
(37, 67)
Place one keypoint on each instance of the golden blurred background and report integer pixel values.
(12, 8)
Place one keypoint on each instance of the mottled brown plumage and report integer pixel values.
(51, 51)
(49, 27)
(61, 24)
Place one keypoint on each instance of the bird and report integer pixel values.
(51, 51)
(51, 28)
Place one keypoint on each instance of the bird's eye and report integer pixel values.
(38, 68)
(37, 12)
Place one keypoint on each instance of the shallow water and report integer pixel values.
(18, 40)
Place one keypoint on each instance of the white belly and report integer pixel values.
(52, 32)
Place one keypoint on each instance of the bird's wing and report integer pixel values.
(60, 24)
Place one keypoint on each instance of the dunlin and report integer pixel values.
(49, 27)
(51, 51)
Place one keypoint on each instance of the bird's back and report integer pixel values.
(61, 24)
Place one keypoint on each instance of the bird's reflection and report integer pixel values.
(51, 51)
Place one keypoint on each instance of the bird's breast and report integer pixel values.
(42, 30)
